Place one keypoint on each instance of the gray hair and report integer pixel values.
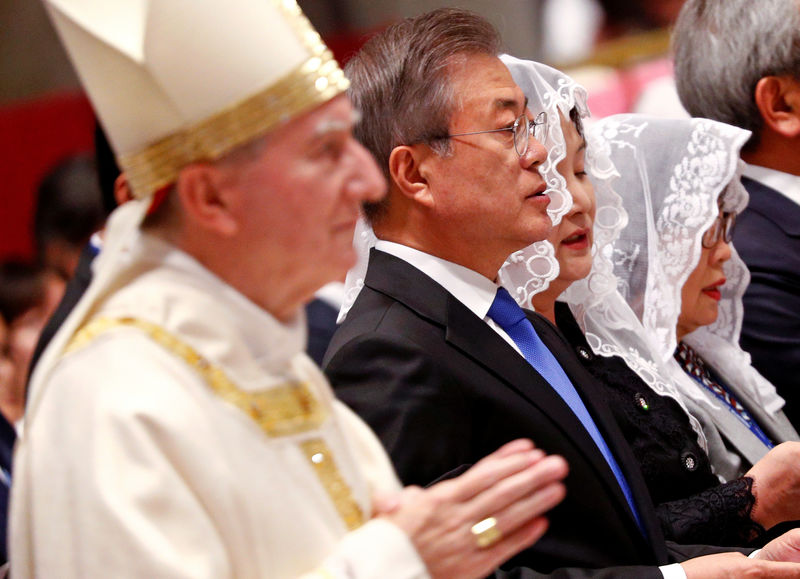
(724, 47)
(401, 84)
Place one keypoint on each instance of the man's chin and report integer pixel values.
(539, 231)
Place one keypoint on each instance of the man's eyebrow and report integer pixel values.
(503, 104)
(334, 125)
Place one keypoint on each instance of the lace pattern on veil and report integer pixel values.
(530, 270)
(598, 308)
(672, 175)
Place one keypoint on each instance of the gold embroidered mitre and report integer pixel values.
(177, 81)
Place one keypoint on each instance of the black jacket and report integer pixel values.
(442, 389)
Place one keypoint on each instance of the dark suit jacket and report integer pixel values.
(321, 322)
(72, 295)
(767, 237)
(442, 389)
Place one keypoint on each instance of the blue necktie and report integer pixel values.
(508, 315)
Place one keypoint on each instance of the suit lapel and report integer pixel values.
(475, 339)
(773, 205)
(591, 393)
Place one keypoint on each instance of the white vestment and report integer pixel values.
(184, 433)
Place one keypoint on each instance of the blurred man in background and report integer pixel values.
(739, 62)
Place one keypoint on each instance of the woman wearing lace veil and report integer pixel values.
(666, 438)
(680, 186)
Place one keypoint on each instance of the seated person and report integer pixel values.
(175, 428)
(68, 211)
(29, 294)
(437, 358)
(718, 76)
(683, 279)
(667, 440)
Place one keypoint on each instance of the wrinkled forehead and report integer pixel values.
(483, 84)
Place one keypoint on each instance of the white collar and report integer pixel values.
(786, 184)
(469, 287)
(332, 294)
(186, 288)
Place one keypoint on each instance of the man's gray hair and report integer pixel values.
(400, 82)
(724, 47)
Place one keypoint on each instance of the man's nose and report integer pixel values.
(535, 155)
(366, 182)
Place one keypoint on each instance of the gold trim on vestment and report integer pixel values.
(281, 411)
(321, 459)
(314, 82)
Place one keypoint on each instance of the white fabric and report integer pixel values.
(331, 293)
(472, 289)
(672, 173)
(569, 29)
(599, 309)
(674, 571)
(786, 184)
(540, 258)
(530, 270)
(131, 44)
(131, 466)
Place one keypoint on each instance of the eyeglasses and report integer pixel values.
(523, 129)
(721, 228)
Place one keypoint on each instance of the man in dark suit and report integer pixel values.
(427, 356)
(749, 76)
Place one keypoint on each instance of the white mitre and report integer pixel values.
(174, 82)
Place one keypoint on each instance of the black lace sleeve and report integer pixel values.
(717, 516)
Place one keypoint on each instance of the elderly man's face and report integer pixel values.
(489, 201)
(300, 200)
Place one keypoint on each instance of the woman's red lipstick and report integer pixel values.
(713, 290)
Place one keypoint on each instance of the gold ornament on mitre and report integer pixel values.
(179, 81)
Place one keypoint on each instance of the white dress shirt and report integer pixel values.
(469, 287)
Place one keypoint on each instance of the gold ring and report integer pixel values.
(486, 532)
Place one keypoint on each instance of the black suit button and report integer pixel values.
(689, 461)
(584, 353)
(641, 402)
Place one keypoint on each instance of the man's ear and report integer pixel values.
(122, 191)
(408, 168)
(206, 200)
(778, 101)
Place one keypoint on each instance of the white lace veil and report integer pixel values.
(529, 271)
(545, 91)
(671, 175)
(599, 309)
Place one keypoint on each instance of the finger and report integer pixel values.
(487, 473)
(778, 570)
(385, 503)
(517, 486)
(512, 544)
(518, 445)
(521, 512)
